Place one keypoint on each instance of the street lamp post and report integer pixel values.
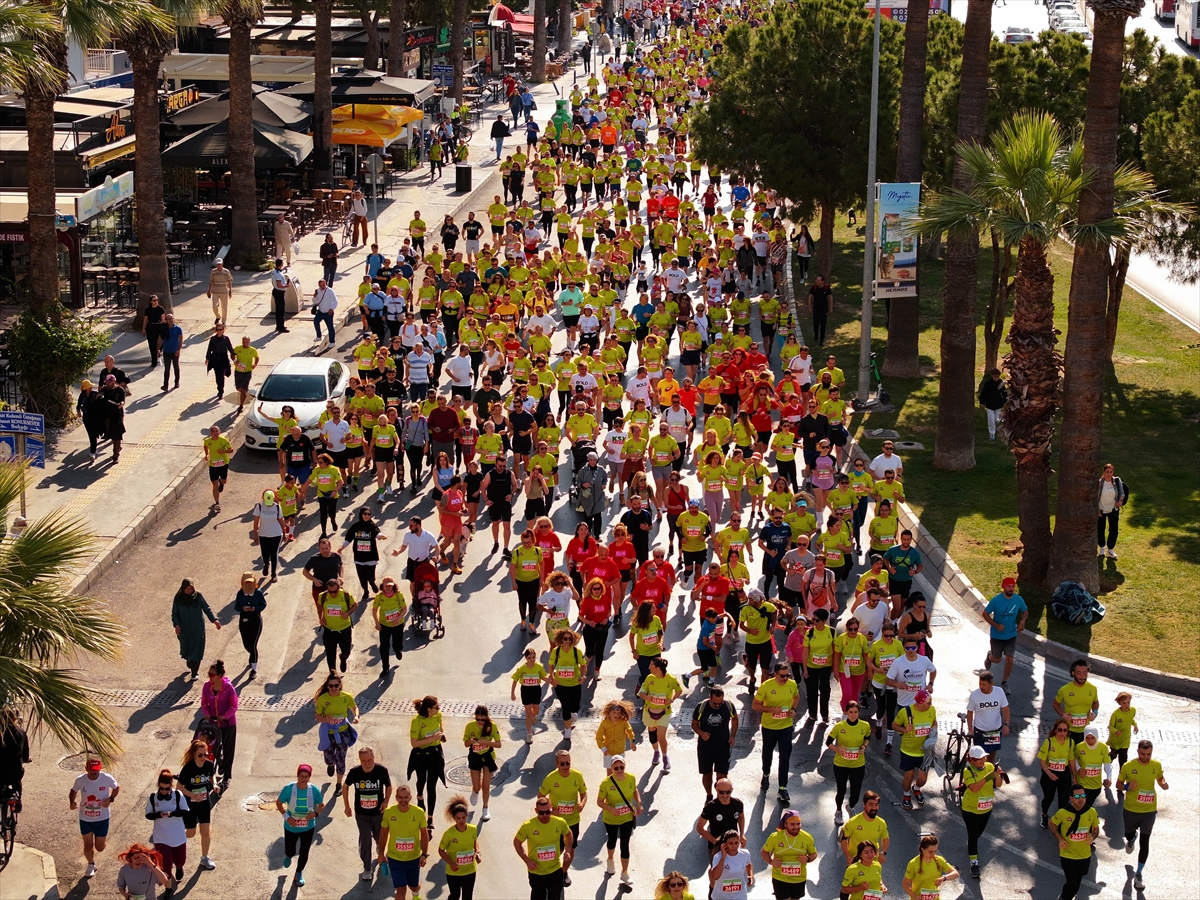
(868, 295)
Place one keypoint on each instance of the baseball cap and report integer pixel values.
(268, 498)
(694, 504)
(219, 261)
(1008, 582)
(921, 697)
(977, 752)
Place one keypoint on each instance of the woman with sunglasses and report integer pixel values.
(567, 668)
(865, 873)
(658, 691)
(481, 738)
(675, 500)
(389, 609)
(595, 614)
(849, 738)
(1075, 827)
(336, 711)
(673, 886)
(362, 536)
(927, 872)
(426, 736)
(530, 675)
(850, 650)
(1057, 759)
(915, 623)
(621, 804)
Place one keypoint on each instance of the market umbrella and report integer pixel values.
(274, 148)
(270, 108)
(368, 86)
(501, 14)
(400, 115)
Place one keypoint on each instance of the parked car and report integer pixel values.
(304, 383)
(1017, 35)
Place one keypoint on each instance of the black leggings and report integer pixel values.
(569, 697)
(976, 825)
(623, 831)
(885, 704)
(304, 839)
(416, 456)
(336, 641)
(1112, 519)
(1074, 871)
(460, 887)
(328, 507)
(595, 643)
(1121, 756)
(787, 469)
(1060, 789)
(228, 749)
(393, 638)
(270, 553)
(366, 575)
(427, 788)
(250, 628)
(1143, 845)
(527, 595)
(817, 684)
(853, 775)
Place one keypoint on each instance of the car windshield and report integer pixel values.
(293, 388)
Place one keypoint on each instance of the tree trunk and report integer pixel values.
(825, 241)
(370, 21)
(1034, 367)
(537, 72)
(458, 31)
(146, 51)
(1116, 290)
(997, 308)
(43, 239)
(396, 38)
(565, 29)
(954, 446)
(1087, 323)
(245, 246)
(323, 94)
(901, 359)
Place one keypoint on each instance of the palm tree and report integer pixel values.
(89, 24)
(1083, 387)
(396, 33)
(954, 446)
(458, 34)
(46, 629)
(147, 47)
(323, 93)
(565, 26)
(901, 360)
(19, 25)
(537, 70)
(245, 245)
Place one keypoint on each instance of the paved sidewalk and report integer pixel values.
(161, 452)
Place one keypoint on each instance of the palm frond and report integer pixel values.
(96, 21)
(55, 699)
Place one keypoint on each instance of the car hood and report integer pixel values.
(306, 413)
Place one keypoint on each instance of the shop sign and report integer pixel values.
(104, 197)
(182, 99)
(414, 39)
(13, 237)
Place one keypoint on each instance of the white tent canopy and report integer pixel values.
(188, 68)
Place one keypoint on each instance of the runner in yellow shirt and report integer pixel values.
(1137, 779)
(217, 451)
(776, 700)
(788, 851)
(404, 842)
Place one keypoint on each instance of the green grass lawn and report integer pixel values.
(1151, 414)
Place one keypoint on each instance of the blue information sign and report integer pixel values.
(35, 452)
(22, 422)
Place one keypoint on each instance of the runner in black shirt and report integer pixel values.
(715, 723)
(392, 389)
(372, 790)
(361, 536)
(323, 566)
(725, 813)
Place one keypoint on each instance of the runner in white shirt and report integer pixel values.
(459, 369)
(910, 673)
(801, 366)
(675, 277)
(987, 715)
(888, 459)
(613, 442)
(639, 387)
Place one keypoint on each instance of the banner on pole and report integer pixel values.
(896, 246)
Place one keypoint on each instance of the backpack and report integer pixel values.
(154, 806)
(1072, 603)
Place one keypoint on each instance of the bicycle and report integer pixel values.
(8, 826)
(348, 229)
(958, 742)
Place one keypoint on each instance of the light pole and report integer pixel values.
(868, 295)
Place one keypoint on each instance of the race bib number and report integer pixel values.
(731, 885)
(464, 857)
(297, 821)
(790, 869)
(92, 810)
(547, 854)
(853, 661)
(334, 610)
(1079, 721)
(930, 894)
(1091, 771)
(694, 531)
(404, 844)
(299, 456)
(869, 894)
(562, 673)
(819, 660)
(922, 731)
(649, 640)
(368, 801)
(480, 747)
(1057, 765)
(1146, 797)
(529, 565)
(199, 796)
(621, 810)
(657, 699)
(558, 616)
(851, 755)
(833, 556)
(564, 809)
(324, 480)
(780, 713)
(530, 681)
(392, 618)
(1080, 835)
(985, 803)
(362, 546)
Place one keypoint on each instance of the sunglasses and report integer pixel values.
(675, 884)
(543, 812)
(724, 793)
(618, 768)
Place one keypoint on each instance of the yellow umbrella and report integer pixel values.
(401, 115)
(367, 132)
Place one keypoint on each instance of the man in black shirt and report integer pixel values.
(392, 389)
(715, 723)
(299, 454)
(372, 790)
(812, 429)
(154, 328)
(638, 521)
(323, 566)
(484, 398)
(719, 816)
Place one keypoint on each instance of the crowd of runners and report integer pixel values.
(623, 355)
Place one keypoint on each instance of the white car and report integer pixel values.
(304, 383)
(1017, 35)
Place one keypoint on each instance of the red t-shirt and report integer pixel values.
(595, 567)
(578, 551)
(623, 554)
(713, 592)
(550, 544)
(594, 610)
(687, 399)
(666, 571)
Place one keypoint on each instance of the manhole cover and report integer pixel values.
(162, 734)
(265, 801)
(458, 772)
(909, 445)
(73, 763)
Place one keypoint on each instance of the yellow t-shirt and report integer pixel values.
(219, 450)
(542, 841)
(460, 846)
(564, 792)
(783, 699)
(404, 831)
(791, 855)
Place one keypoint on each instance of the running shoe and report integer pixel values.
(287, 862)
(906, 803)
(625, 879)
(887, 749)
(666, 765)
(974, 868)
(920, 797)
(838, 819)
(365, 874)
(687, 680)
(206, 863)
(1138, 884)
(90, 870)
(1129, 842)
(300, 879)
(1045, 823)
(485, 816)
(765, 783)
(784, 797)
(657, 758)
(610, 869)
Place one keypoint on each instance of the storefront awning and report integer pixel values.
(522, 24)
(102, 156)
(370, 87)
(193, 67)
(274, 148)
(14, 204)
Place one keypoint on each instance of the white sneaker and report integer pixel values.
(364, 875)
(625, 879)
(837, 817)
(529, 738)
(1112, 554)
(90, 870)
(206, 863)
(486, 816)
(1138, 884)
(567, 733)
(610, 869)
(474, 798)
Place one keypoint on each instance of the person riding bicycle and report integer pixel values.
(14, 753)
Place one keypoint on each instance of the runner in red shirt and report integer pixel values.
(711, 590)
(601, 566)
(623, 553)
(581, 547)
(653, 587)
(595, 607)
(666, 571)
(545, 537)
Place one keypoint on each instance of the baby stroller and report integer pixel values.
(427, 602)
(209, 732)
(580, 451)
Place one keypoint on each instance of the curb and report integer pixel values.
(955, 585)
(110, 554)
(26, 876)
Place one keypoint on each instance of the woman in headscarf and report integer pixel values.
(90, 408)
(188, 612)
(112, 404)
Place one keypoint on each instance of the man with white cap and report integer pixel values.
(977, 784)
(220, 289)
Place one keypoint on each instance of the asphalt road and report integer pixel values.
(157, 709)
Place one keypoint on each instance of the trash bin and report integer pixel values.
(291, 297)
(462, 178)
